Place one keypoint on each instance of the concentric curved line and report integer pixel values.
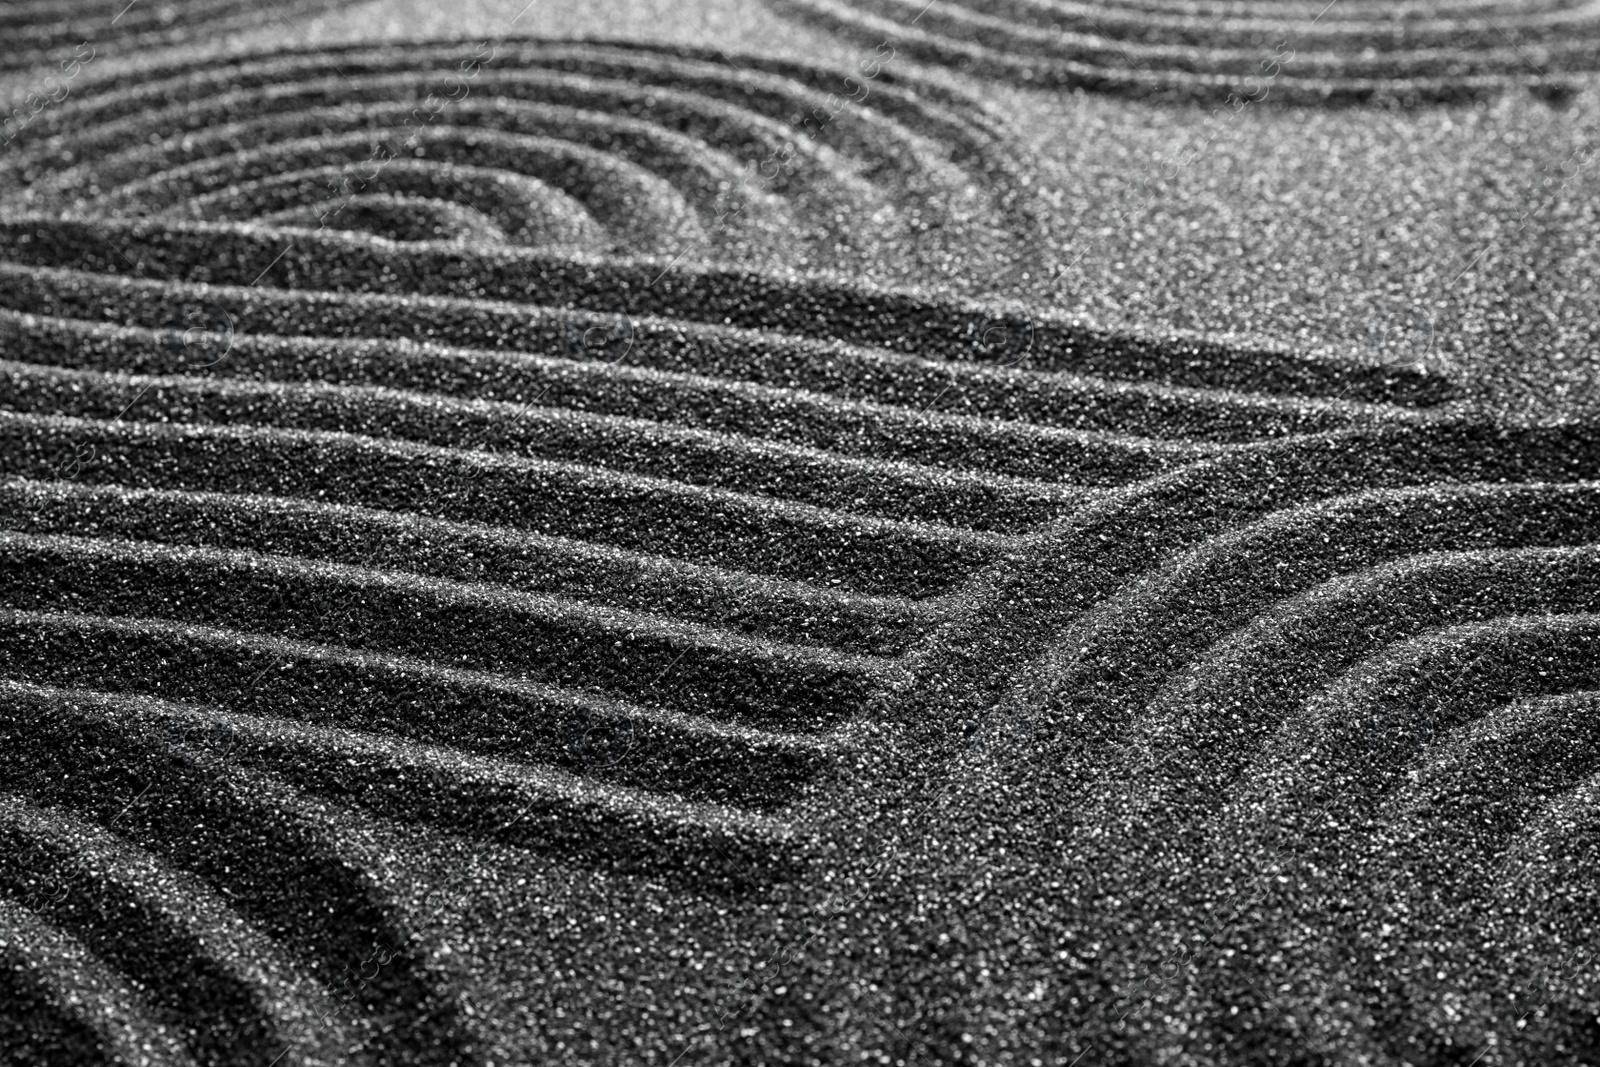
(262, 846)
(66, 1005)
(239, 998)
(636, 136)
(1482, 665)
(1340, 54)
(41, 32)
(1162, 650)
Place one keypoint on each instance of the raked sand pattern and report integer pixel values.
(549, 486)
(583, 150)
(1278, 758)
(1216, 51)
(37, 33)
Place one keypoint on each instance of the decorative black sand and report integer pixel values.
(1299, 51)
(38, 33)
(490, 574)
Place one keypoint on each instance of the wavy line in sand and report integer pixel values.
(41, 32)
(1443, 51)
(804, 473)
(111, 811)
(585, 148)
(1146, 822)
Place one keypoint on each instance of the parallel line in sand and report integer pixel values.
(1056, 398)
(534, 807)
(865, 430)
(471, 552)
(895, 491)
(160, 919)
(72, 1003)
(517, 721)
(761, 313)
(717, 526)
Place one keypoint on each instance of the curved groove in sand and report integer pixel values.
(40, 32)
(706, 511)
(264, 849)
(1163, 629)
(1160, 759)
(1343, 54)
(677, 128)
(1358, 747)
(241, 999)
(338, 284)
(65, 1002)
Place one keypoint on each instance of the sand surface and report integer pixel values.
(799, 532)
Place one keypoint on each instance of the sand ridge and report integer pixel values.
(555, 504)
(1301, 53)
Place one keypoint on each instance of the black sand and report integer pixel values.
(812, 534)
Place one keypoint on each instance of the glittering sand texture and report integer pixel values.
(586, 567)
